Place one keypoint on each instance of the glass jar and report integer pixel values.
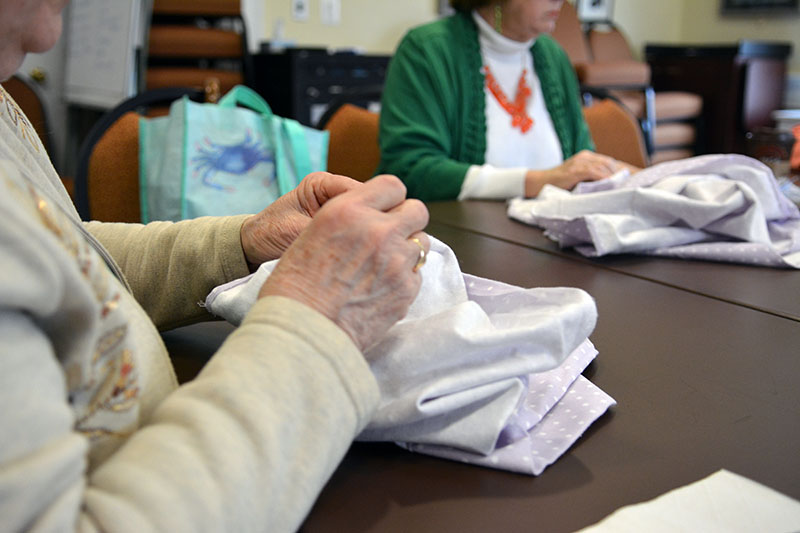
(772, 147)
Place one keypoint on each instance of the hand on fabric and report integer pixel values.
(583, 166)
(266, 235)
(355, 261)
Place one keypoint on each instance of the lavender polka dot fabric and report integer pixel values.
(715, 207)
(478, 371)
(559, 405)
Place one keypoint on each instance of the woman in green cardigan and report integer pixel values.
(484, 104)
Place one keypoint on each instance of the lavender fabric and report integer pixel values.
(478, 371)
(559, 406)
(714, 207)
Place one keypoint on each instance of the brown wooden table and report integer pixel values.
(771, 290)
(702, 383)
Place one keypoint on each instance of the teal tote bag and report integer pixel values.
(229, 158)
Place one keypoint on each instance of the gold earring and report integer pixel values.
(498, 18)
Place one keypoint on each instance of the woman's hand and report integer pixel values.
(355, 262)
(583, 166)
(268, 234)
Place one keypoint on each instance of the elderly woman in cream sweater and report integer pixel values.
(96, 434)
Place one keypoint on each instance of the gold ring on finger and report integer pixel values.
(423, 255)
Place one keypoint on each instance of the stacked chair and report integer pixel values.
(603, 62)
(616, 131)
(197, 43)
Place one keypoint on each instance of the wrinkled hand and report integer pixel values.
(266, 235)
(355, 261)
(583, 166)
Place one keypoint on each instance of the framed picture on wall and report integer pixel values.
(595, 10)
(760, 7)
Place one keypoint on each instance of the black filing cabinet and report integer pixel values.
(299, 83)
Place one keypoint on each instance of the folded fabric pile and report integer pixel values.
(715, 207)
(478, 371)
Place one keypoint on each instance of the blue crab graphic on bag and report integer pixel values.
(234, 159)
(228, 158)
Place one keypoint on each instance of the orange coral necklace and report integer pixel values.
(518, 109)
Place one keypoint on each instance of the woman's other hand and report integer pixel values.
(268, 234)
(355, 262)
(583, 166)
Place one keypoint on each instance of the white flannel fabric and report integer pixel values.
(475, 367)
(714, 207)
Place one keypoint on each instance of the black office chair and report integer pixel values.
(361, 96)
(191, 41)
(353, 149)
(107, 176)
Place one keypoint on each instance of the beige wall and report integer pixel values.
(648, 21)
(699, 22)
(374, 26)
(702, 23)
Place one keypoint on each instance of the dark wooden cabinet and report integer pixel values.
(741, 84)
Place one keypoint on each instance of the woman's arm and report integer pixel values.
(172, 266)
(250, 442)
(418, 126)
(583, 166)
(245, 447)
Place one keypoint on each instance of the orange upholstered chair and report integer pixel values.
(107, 175)
(616, 132)
(113, 178)
(353, 149)
(27, 96)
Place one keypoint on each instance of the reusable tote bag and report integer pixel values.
(222, 159)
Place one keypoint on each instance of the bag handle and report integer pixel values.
(292, 130)
(297, 140)
(247, 97)
(289, 136)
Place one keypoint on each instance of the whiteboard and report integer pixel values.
(102, 40)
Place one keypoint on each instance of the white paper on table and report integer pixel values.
(723, 502)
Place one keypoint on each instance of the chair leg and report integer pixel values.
(649, 120)
(700, 135)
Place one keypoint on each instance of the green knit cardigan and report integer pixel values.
(433, 117)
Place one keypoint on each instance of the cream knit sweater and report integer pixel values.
(94, 432)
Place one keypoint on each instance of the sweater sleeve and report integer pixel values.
(487, 182)
(246, 446)
(249, 443)
(418, 125)
(171, 266)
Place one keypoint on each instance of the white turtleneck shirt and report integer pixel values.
(510, 153)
